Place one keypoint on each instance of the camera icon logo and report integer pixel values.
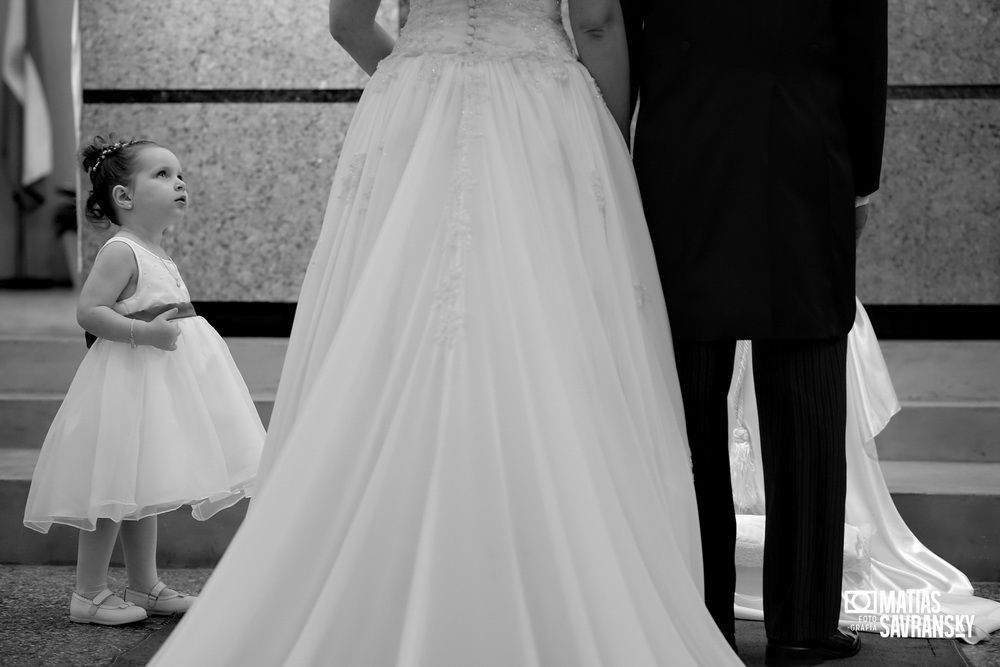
(860, 602)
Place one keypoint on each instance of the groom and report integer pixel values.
(758, 138)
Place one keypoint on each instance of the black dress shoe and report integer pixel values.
(841, 644)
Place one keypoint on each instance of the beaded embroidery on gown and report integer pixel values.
(477, 453)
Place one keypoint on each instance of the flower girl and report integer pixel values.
(157, 416)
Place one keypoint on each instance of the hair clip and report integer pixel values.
(108, 150)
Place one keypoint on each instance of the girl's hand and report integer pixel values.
(161, 333)
(860, 218)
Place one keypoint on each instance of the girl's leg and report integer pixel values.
(93, 558)
(139, 547)
(144, 587)
(93, 602)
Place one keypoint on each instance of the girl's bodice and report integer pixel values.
(158, 280)
(486, 29)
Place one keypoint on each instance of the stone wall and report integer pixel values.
(259, 163)
(258, 152)
(934, 231)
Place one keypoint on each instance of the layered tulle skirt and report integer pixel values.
(477, 454)
(144, 431)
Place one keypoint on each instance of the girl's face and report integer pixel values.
(158, 190)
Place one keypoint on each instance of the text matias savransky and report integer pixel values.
(905, 613)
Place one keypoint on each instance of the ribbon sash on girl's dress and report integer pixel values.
(149, 314)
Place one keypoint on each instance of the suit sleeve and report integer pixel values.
(632, 13)
(862, 27)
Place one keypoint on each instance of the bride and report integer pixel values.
(477, 454)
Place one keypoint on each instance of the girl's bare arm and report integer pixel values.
(112, 278)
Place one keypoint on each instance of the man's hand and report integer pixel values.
(860, 218)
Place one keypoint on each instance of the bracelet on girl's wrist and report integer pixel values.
(131, 334)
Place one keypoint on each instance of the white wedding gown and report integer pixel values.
(880, 551)
(477, 455)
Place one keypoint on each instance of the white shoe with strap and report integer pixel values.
(160, 600)
(101, 612)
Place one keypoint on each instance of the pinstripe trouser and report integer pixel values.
(801, 391)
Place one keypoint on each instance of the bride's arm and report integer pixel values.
(352, 24)
(599, 31)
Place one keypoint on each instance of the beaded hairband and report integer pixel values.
(108, 150)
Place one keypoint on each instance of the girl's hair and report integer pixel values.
(108, 162)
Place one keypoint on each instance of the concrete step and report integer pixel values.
(183, 542)
(949, 391)
(25, 418)
(939, 373)
(921, 431)
(46, 365)
(37, 372)
(942, 431)
(950, 507)
(940, 455)
(944, 371)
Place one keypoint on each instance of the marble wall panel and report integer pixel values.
(216, 44)
(285, 43)
(259, 176)
(934, 232)
(956, 42)
(260, 173)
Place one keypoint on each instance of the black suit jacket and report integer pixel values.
(758, 124)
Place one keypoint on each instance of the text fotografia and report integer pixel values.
(907, 613)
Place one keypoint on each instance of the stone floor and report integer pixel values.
(34, 618)
(40, 313)
(35, 628)
(985, 654)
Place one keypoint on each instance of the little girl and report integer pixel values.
(158, 415)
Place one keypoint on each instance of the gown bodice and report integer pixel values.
(485, 29)
(158, 281)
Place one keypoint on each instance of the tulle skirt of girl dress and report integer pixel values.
(145, 431)
(477, 455)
